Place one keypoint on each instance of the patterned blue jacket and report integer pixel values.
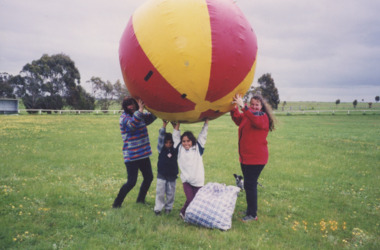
(135, 135)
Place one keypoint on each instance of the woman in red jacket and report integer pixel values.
(255, 121)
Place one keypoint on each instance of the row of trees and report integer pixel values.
(53, 82)
(355, 102)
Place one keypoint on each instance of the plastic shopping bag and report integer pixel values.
(213, 206)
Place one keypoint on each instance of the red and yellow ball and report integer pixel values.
(186, 59)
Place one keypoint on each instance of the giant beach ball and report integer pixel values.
(186, 59)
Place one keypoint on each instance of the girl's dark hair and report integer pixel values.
(168, 137)
(189, 135)
(267, 109)
(128, 100)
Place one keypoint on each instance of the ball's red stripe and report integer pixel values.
(137, 69)
(234, 48)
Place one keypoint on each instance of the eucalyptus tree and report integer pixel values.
(354, 103)
(52, 82)
(267, 89)
(105, 92)
(6, 88)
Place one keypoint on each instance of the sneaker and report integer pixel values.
(248, 218)
(182, 216)
(157, 213)
(167, 211)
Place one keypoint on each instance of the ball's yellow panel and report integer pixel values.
(183, 54)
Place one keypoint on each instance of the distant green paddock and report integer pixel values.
(59, 175)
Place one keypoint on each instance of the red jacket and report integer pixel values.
(253, 131)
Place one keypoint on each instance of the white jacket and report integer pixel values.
(190, 161)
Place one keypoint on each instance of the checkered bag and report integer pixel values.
(213, 206)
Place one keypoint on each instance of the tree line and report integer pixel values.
(53, 82)
(355, 102)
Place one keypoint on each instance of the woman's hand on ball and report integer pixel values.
(238, 100)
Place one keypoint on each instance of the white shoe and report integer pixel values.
(182, 216)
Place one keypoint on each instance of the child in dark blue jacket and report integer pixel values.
(167, 171)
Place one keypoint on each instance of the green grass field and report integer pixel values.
(59, 175)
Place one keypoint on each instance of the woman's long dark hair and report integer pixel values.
(128, 100)
(267, 109)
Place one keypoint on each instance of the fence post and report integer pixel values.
(40, 111)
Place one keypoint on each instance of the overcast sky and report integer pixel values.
(315, 50)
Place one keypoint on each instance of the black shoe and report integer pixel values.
(116, 205)
(157, 213)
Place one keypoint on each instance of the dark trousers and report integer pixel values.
(190, 192)
(132, 171)
(251, 174)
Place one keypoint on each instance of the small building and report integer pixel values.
(8, 106)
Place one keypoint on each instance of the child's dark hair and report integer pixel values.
(168, 137)
(189, 135)
(128, 100)
(266, 109)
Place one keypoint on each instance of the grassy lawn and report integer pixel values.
(59, 175)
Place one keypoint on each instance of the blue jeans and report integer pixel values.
(251, 174)
(132, 171)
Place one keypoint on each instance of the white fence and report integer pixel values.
(332, 112)
(286, 112)
(40, 111)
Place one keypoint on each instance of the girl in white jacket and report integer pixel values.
(190, 162)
